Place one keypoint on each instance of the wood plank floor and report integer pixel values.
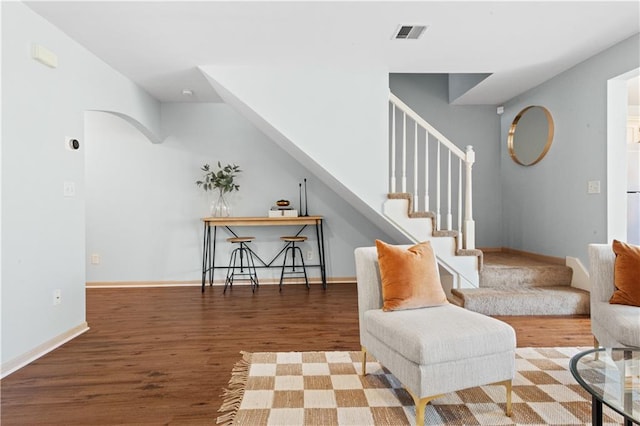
(163, 355)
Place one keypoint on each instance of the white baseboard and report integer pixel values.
(193, 283)
(133, 284)
(40, 350)
(580, 274)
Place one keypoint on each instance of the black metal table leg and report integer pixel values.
(596, 411)
(212, 259)
(205, 253)
(320, 238)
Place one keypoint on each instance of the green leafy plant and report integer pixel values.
(221, 179)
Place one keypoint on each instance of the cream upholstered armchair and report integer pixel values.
(612, 325)
(431, 351)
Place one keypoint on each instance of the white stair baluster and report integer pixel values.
(426, 170)
(438, 187)
(460, 234)
(416, 197)
(449, 189)
(404, 152)
(393, 150)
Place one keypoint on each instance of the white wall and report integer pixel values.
(546, 208)
(135, 207)
(43, 233)
(144, 209)
(334, 121)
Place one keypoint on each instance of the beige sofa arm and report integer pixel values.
(601, 261)
(612, 325)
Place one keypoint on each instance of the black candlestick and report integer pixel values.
(306, 208)
(300, 194)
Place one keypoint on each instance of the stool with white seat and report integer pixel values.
(292, 251)
(246, 263)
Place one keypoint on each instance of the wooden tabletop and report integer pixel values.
(261, 221)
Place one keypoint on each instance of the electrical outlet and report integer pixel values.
(309, 255)
(593, 187)
(95, 259)
(57, 296)
(69, 189)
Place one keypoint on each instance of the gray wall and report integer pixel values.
(43, 232)
(545, 207)
(478, 126)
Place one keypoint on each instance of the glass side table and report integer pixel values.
(612, 377)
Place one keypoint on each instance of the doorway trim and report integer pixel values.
(617, 111)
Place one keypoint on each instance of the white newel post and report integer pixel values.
(469, 224)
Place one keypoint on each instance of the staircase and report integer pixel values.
(427, 190)
(517, 284)
(463, 265)
(430, 185)
(493, 282)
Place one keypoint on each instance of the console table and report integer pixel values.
(209, 241)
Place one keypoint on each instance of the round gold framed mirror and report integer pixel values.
(530, 135)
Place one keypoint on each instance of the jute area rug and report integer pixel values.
(325, 388)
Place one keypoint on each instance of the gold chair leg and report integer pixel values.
(509, 410)
(364, 361)
(507, 384)
(421, 406)
(596, 345)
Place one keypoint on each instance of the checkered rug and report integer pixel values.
(325, 388)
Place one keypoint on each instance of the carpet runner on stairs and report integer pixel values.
(515, 284)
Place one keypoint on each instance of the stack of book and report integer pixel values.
(283, 211)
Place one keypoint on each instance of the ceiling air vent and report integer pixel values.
(409, 32)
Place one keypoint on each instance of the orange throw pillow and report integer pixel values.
(626, 274)
(410, 277)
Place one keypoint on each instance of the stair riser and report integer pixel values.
(518, 277)
(463, 264)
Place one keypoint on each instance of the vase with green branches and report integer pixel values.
(223, 180)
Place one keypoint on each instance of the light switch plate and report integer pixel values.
(593, 187)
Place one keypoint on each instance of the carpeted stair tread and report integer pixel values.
(525, 276)
(557, 300)
(517, 284)
(514, 270)
(502, 258)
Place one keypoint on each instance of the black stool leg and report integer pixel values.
(246, 262)
(251, 267)
(228, 281)
(292, 248)
(241, 250)
(304, 268)
(284, 263)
